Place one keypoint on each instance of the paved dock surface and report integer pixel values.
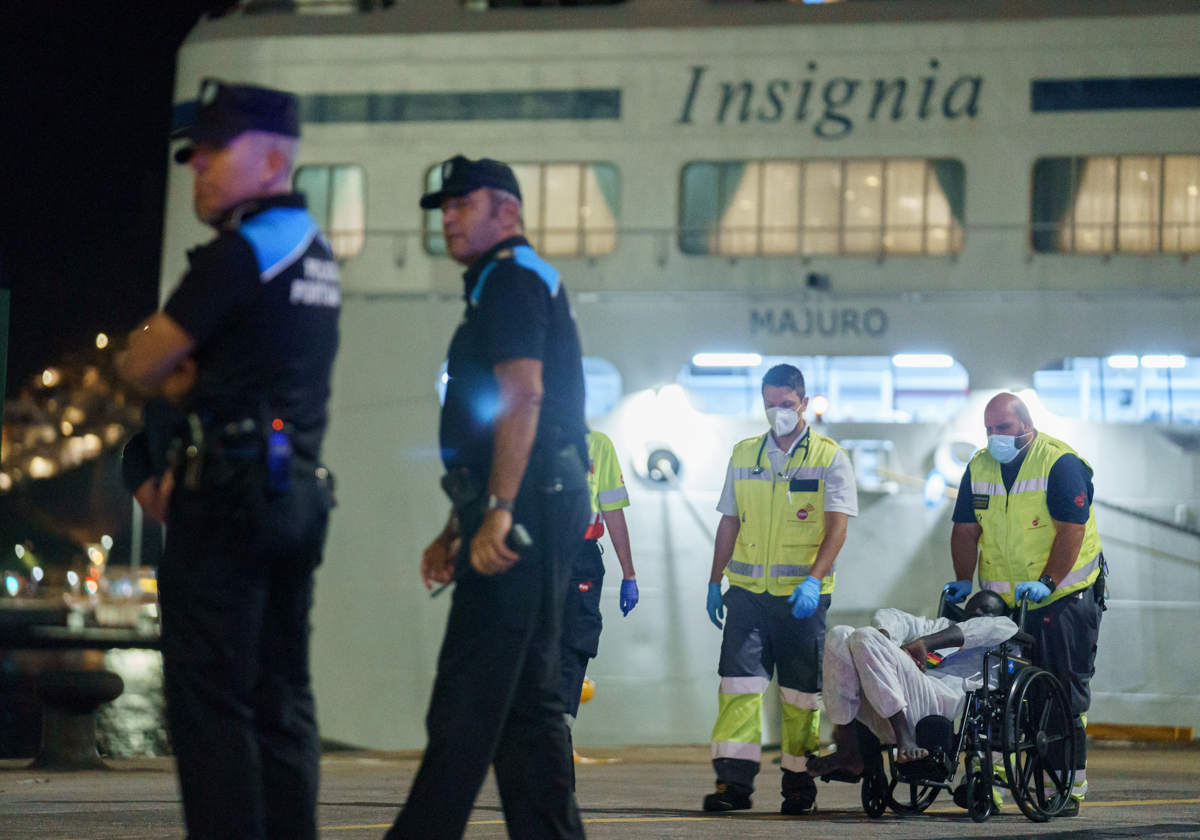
(651, 792)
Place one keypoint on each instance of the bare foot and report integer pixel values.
(846, 757)
(906, 740)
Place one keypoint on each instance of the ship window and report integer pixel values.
(846, 389)
(1155, 388)
(1106, 204)
(848, 207)
(337, 201)
(570, 209)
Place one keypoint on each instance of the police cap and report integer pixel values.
(461, 176)
(224, 111)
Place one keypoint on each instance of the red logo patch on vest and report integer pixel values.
(803, 513)
(585, 586)
(1081, 499)
(1035, 522)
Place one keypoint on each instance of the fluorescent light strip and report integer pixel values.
(923, 360)
(727, 360)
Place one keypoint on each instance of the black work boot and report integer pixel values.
(727, 797)
(799, 794)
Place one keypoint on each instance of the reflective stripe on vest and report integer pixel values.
(782, 515)
(1018, 531)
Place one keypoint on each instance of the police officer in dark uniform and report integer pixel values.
(245, 348)
(513, 441)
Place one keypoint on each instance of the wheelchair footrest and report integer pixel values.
(842, 776)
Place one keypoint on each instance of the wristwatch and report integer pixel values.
(496, 503)
(1048, 582)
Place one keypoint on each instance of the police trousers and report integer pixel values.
(1065, 637)
(496, 695)
(763, 637)
(236, 588)
(582, 624)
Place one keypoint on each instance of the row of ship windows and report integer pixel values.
(855, 207)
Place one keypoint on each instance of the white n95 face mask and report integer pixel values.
(782, 420)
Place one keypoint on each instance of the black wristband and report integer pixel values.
(496, 503)
(1048, 582)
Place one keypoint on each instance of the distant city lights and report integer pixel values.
(101, 341)
(732, 360)
(12, 585)
(51, 377)
(19, 550)
(923, 360)
(96, 556)
(72, 578)
(107, 542)
(37, 573)
(91, 586)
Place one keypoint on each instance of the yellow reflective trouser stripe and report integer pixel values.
(801, 734)
(739, 721)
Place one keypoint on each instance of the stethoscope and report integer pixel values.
(759, 469)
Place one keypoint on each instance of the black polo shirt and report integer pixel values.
(517, 308)
(261, 302)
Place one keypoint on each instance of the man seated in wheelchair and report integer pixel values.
(902, 669)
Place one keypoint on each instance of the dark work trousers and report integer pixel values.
(581, 624)
(236, 587)
(761, 638)
(1065, 634)
(496, 695)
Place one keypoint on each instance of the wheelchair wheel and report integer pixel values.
(1039, 745)
(875, 793)
(918, 799)
(979, 790)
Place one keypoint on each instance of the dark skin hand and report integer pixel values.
(919, 649)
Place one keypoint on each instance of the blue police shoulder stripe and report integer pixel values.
(279, 237)
(526, 257)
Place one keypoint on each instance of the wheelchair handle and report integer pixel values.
(1023, 639)
(1022, 608)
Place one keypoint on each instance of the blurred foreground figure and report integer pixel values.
(513, 441)
(244, 348)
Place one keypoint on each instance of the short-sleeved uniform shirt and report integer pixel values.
(605, 482)
(841, 492)
(1068, 490)
(262, 302)
(517, 308)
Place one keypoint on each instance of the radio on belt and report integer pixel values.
(279, 458)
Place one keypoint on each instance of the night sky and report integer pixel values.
(85, 110)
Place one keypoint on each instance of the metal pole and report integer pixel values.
(135, 546)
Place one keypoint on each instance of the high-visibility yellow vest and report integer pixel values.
(782, 516)
(605, 482)
(1017, 528)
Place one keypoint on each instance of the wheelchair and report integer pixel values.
(1026, 719)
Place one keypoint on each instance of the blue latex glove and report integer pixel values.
(806, 597)
(716, 607)
(1035, 589)
(629, 596)
(957, 591)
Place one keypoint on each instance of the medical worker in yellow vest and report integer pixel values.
(788, 497)
(1024, 516)
(581, 612)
